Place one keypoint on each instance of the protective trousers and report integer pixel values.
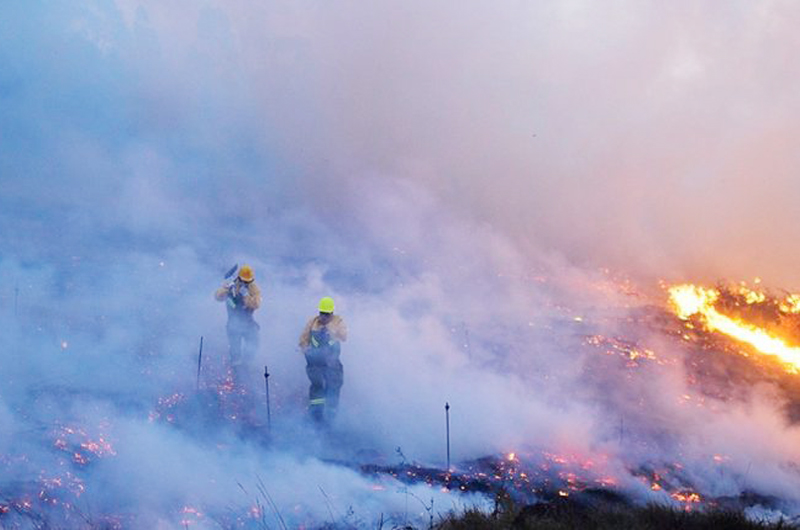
(326, 374)
(242, 339)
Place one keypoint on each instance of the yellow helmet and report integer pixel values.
(326, 305)
(246, 273)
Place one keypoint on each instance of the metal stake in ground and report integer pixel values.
(266, 383)
(199, 362)
(447, 419)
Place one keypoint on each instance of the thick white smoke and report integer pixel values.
(453, 175)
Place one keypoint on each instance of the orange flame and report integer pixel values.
(689, 300)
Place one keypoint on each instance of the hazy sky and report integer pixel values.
(453, 173)
(655, 139)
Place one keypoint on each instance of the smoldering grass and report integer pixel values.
(262, 489)
(566, 515)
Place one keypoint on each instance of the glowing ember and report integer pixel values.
(690, 300)
(634, 354)
(190, 515)
(99, 448)
(687, 496)
(166, 407)
(80, 448)
(791, 304)
(750, 296)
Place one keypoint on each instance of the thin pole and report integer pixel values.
(266, 383)
(199, 362)
(447, 418)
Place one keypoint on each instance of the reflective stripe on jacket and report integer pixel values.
(332, 332)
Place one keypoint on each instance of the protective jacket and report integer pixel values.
(317, 335)
(241, 299)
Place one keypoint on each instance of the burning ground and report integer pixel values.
(651, 402)
(735, 346)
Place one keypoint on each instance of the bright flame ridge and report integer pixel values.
(690, 300)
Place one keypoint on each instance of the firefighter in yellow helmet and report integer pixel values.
(320, 342)
(242, 297)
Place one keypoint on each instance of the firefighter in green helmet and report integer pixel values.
(320, 342)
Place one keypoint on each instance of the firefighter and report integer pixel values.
(242, 297)
(320, 342)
